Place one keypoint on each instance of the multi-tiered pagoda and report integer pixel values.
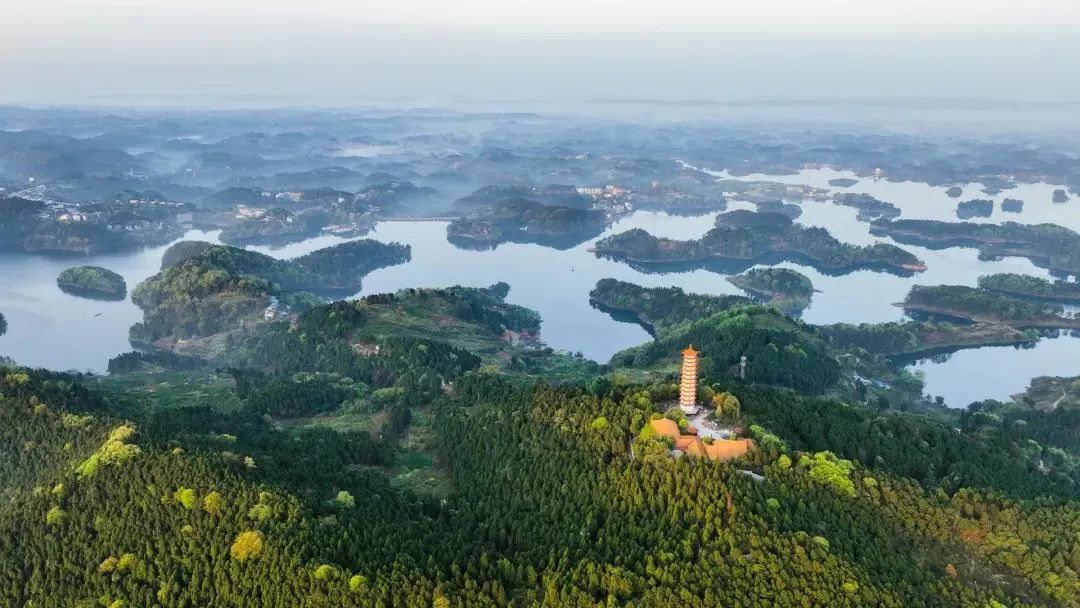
(688, 381)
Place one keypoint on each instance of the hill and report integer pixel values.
(215, 290)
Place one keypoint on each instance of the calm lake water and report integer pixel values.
(49, 328)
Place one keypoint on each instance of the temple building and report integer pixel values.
(688, 442)
(688, 381)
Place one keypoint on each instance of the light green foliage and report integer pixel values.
(186, 497)
(599, 423)
(344, 500)
(114, 451)
(825, 468)
(259, 512)
(325, 572)
(126, 562)
(55, 516)
(357, 583)
(213, 503)
(74, 421)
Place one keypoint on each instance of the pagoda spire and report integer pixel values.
(688, 381)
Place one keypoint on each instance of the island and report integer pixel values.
(1060, 196)
(791, 211)
(843, 182)
(526, 221)
(223, 287)
(978, 305)
(1035, 288)
(788, 290)
(744, 238)
(3, 324)
(954, 192)
(1012, 205)
(1047, 245)
(869, 207)
(978, 207)
(92, 282)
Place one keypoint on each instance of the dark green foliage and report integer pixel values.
(1048, 245)
(218, 288)
(788, 290)
(778, 350)
(135, 361)
(882, 338)
(658, 308)
(1026, 286)
(747, 236)
(93, 281)
(524, 220)
(981, 303)
(916, 447)
(183, 251)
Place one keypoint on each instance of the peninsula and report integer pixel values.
(788, 290)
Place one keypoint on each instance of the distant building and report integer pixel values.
(249, 213)
(688, 381)
(590, 191)
(274, 310)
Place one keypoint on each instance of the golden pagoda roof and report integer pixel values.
(690, 352)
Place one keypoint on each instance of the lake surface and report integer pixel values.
(49, 328)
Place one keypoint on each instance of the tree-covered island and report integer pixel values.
(526, 221)
(1048, 245)
(92, 282)
(747, 238)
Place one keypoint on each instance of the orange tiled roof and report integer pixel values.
(728, 449)
(690, 352)
(696, 447)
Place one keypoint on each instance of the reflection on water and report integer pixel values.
(51, 329)
(997, 372)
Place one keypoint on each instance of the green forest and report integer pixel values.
(423, 449)
(93, 281)
(748, 236)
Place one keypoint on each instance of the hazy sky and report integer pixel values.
(352, 52)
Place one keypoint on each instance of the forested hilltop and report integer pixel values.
(205, 290)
